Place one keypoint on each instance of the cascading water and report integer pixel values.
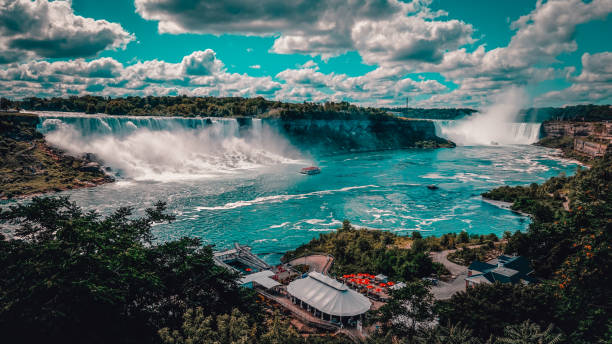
(168, 148)
(478, 132)
(495, 125)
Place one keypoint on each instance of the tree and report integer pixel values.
(280, 331)
(198, 328)
(409, 309)
(449, 334)
(74, 276)
(528, 332)
(463, 238)
(487, 309)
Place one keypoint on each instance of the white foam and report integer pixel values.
(282, 198)
(170, 149)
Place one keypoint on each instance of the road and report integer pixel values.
(444, 290)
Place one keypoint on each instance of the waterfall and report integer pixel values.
(473, 133)
(496, 124)
(168, 148)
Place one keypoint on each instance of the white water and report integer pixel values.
(495, 125)
(168, 149)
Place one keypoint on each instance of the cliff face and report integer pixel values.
(29, 166)
(334, 136)
(572, 129)
(581, 140)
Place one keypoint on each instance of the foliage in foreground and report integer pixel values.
(569, 247)
(76, 277)
(239, 328)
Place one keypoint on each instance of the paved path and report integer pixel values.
(317, 262)
(444, 290)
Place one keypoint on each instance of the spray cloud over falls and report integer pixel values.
(166, 149)
(496, 124)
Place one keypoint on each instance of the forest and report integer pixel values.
(195, 106)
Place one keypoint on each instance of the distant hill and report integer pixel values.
(586, 113)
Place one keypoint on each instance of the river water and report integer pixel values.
(229, 186)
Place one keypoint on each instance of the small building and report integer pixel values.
(262, 279)
(503, 269)
(327, 298)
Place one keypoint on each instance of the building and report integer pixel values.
(262, 279)
(327, 298)
(240, 259)
(503, 269)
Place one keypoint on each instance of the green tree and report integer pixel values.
(409, 309)
(280, 331)
(198, 328)
(74, 276)
(449, 334)
(528, 332)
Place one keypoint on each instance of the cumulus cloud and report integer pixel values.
(593, 84)
(50, 29)
(540, 37)
(408, 39)
(199, 73)
(382, 30)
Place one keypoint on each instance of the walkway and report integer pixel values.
(444, 290)
(303, 315)
(317, 262)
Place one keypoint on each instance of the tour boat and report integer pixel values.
(310, 170)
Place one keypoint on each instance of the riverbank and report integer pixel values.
(29, 166)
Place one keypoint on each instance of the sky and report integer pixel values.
(431, 53)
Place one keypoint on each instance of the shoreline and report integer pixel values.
(504, 205)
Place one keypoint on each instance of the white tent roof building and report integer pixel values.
(328, 296)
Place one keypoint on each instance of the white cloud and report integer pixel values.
(380, 30)
(51, 30)
(593, 84)
(255, 66)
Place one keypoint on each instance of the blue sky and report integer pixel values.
(438, 53)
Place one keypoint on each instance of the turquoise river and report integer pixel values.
(225, 186)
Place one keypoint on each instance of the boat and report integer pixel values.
(310, 170)
(432, 187)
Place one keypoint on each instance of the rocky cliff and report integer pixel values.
(580, 140)
(29, 166)
(572, 129)
(348, 135)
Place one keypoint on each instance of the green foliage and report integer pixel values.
(409, 309)
(371, 251)
(202, 106)
(588, 112)
(74, 276)
(449, 113)
(487, 309)
(569, 247)
(449, 334)
(465, 255)
(529, 333)
(202, 329)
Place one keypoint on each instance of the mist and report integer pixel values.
(496, 124)
(170, 149)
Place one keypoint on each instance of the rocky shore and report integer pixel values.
(29, 166)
